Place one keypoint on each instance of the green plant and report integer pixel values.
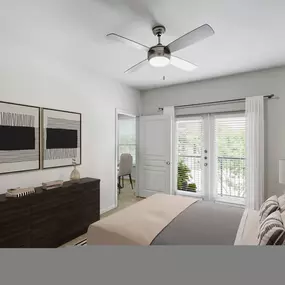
(184, 175)
(192, 187)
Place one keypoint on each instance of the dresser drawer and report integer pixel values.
(14, 215)
(18, 240)
(14, 227)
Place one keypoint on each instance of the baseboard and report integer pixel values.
(103, 211)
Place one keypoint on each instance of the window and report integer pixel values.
(127, 137)
(230, 156)
(190, 147)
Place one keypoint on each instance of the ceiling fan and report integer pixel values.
(161, 55)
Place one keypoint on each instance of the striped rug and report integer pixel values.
(81, 243)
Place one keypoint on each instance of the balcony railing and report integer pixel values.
(230, 175)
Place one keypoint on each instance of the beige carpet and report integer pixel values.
(126, 198)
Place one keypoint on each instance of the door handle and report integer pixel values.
(168, 162)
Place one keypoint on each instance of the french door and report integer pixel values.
(211, 157)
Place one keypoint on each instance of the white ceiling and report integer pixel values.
(249, 35)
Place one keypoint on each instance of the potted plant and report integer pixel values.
(184, 177)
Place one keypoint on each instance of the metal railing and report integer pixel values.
(230, 175)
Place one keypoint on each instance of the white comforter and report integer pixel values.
(248, 228)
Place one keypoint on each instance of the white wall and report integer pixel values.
(231, 87)
(33, 79)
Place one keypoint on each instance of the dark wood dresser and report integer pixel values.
(49, 218)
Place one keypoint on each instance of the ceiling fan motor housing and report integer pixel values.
(159, 51)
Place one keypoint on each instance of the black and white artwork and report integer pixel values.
(19, 138)
(61, 138)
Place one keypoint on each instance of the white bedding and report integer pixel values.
(248, 228)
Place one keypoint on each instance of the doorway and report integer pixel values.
(126, 159)
(211, 157)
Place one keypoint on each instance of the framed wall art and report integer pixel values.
(19, 138)
(61, 138)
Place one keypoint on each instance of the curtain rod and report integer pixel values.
(217, 102)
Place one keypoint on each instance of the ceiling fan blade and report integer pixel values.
(137, 66)
(127, 41)
(182, 64)
(192, 37)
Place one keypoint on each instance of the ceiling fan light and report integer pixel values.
(159, 61)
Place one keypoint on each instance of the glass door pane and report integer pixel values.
(190, 143)
(230, 157)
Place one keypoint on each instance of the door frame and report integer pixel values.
(133, 115)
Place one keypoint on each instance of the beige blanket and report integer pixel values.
(140, 223)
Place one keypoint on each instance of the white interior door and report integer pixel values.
(155, 155)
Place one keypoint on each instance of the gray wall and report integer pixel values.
(231, 87)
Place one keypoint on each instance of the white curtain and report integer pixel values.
(254, 109)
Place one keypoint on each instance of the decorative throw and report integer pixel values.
(281, 201)
(283, 218)
(271, 230)
(268, 207)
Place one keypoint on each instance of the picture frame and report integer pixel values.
(61, 138)
(20, 138)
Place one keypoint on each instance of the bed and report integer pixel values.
(175, 220)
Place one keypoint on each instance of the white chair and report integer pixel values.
(125, 169)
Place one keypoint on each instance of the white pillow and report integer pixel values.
(283, 217)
